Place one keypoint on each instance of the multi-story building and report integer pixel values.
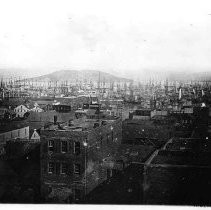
(73, 156)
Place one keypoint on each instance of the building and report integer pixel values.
(74, 102)
(7, 114)
(72, 156)
(146, 132)
(61, 107)
(37, 109)
(20, 111)
(35, 135)
(113, 106)
(179, 173)
(140, 114)
(93, 111)
(127, 179)
(20, 172)
(13, 133)
(21, 133)
(48, 116)
(159, 113)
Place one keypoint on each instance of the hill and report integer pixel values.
(73, 75)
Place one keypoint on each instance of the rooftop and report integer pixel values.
(185, 158)
(10, 126)
(189, 144)
(80, 124)
(134, 153)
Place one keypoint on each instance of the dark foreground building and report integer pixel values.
(125, 187)
(179, 174)
(20, 172)
(73, 157)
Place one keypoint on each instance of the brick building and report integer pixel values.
(72, 157)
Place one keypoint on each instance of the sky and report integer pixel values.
(125, 37)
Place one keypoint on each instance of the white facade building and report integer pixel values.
(21, 110)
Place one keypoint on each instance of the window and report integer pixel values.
(77, 149)
(51, 145)
(51, 167)
(63, 146)
(63, 168)
(77, 169)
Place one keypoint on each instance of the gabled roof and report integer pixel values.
(34, 134)
(22, 105)
(36, 107)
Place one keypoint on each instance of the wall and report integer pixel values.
(158, 113)
(20, 111)
(49, 116)
(137, 117)
(104, 142)
(123, 188)
(22, 133)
